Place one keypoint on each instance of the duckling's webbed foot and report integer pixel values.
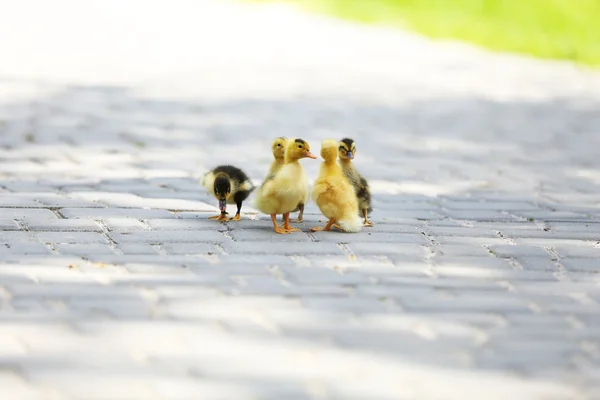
(300, 214)
(220, 217)
(276, 227)
(366, 222)
(237, 216)
(326, 228)
(286, 223)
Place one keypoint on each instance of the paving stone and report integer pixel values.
(64, 225)
(476, 215)
(158, 237)
(578, 251)
(507, 251)
(137, 248)
(184, 224)
(124, 224)
(80, 249)
(537, 264)
(30, 214)
(368, 237)
(581, 264)
(101, 213)
(71, 237)
(8, 224)
(190, 248)
(288, 248)
(361, 249)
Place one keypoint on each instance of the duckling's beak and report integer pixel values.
(310, 155)
(223, 205)
(350, 155)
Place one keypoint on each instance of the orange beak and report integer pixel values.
(310, 155)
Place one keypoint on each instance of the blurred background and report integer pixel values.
(550, 29)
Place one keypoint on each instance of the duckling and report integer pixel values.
(282, 191)
(230, 185)
(278, 148)
(347, 150)
(333, 193)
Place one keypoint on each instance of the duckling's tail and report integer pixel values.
(350, 223)
(329, 150)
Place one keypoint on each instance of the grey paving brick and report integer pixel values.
(516, 251)
(288, 248)
(32, 214)
(388, 249)
(71, 237)
(460, 231)
(368, 237)
(578, 251)
(487, 262)
(158, 237)
(264, 235)
(19, 249)
(230, 260)
(185, 224)
(537, 264)
(9, 224)
(581, 264)
(16, 237)
(124, 224)
(82, 249)
(190, 248)
(64, 225)
(462, 250)
(101, 213)
(476, 215)
(137, 248)
(489, 205)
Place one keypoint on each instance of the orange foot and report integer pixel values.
(281, 231)
(327, 227)
(220, 217)
(236, 218)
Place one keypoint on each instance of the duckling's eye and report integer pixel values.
(299, 146)
(278, 144)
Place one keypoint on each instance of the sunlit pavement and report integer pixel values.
(479, 280)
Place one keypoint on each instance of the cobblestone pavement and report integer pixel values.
(479, 280)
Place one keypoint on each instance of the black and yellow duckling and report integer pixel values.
(278, 148)
(230, 185)
(346, 152)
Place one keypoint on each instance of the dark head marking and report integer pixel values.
(348, 142)
(301, 143)
(221, 186)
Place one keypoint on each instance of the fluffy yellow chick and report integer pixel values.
(334, 194)
(281, 192)
(278, 148)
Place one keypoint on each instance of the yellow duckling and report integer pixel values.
(278, 148)
(230, 185)
(334, 194)
(281, 192)
(347, 150)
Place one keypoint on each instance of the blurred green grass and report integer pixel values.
(550, 29)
